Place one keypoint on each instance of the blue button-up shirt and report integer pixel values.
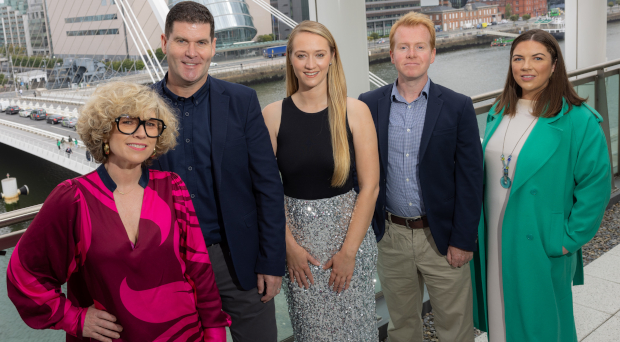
(191, 158)
(404, 197)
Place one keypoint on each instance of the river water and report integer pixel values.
(469, 71)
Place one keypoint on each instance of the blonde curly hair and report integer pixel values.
(96, 121)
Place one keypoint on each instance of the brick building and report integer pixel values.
(382, 14)
(451, 19)
(534, 8)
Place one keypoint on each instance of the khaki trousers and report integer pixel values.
(408, 259)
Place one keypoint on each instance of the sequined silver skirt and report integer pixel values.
(318, 314)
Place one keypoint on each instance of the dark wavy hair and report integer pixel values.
(189, 12)
(549, 100)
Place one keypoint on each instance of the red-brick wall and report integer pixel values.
(455, 19)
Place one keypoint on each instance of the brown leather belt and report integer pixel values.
(417, 223)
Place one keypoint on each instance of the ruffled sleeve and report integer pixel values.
(44, 259)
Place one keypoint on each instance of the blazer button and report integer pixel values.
(534, 192)
(529, 237)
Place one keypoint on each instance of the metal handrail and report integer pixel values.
(16, 216)
(22, 215)
(495, 93)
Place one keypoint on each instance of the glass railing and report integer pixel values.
(600, 84)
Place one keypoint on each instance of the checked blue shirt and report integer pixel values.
(404, 196)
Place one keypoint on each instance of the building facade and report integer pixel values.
(39, 28)
(452, 19)
(297, 10)
(534, 8)
(382, 14)
(15, 29)
(96, 30)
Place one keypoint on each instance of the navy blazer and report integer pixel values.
(247, 183)
(450, 165)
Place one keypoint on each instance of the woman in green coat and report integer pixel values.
(547, 183)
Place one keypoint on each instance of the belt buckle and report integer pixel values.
(414, 219)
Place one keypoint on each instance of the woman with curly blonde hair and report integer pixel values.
(124, 238)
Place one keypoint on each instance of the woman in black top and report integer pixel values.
(319, 137)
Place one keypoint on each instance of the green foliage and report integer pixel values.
(159, 53)
(265, 38)
(610, 4)
(514, 17)
(373, 36)
(508, 10)
(35, 61)
(127, 64)
(526, 17)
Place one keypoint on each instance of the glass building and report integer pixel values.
(233, 22)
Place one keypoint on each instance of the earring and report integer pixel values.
(106, 148)
(330, 63)
(154, 153)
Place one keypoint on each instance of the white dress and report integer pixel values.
(495, 199)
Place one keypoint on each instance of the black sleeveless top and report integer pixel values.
(305, 154)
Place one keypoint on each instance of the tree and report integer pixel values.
(508, 11)
(159, 53)
(265, 38)
(139, 65)
(526, 17)
(373, 36)
(514, 17)
(610, 4)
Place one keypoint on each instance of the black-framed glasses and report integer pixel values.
(129, 125)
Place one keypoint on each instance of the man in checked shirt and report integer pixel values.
(430, 196)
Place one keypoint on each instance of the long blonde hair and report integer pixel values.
(336, 98)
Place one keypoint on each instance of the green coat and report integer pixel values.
(559, 193)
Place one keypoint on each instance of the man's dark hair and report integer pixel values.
(189, 12)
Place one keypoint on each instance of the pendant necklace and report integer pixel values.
(124, 193)
(505, 181)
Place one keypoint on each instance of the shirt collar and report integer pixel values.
(109, 183)
(197, 97)
(397, 97)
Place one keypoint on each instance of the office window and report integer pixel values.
(92, 32)
(103, 3)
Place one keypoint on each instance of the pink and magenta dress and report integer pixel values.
(161, 289)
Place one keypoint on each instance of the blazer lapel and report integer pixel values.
(541, 144)
(219, 123)
(383, 121)
(432, 113)
(492, 122)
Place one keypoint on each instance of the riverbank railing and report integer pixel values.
(599, 83)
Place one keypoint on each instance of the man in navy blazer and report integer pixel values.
(430, 194)
(225, 158)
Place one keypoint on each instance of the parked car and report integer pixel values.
(54, 119)
(12, 110)
(38, 114)
(24, 113)
(504, 21)
(69, 122)
(213, 64)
